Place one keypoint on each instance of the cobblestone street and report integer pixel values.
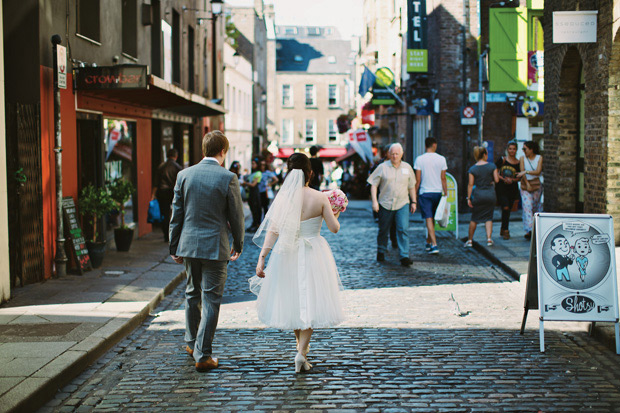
(442, 335)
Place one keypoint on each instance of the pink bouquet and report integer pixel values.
(338, 200)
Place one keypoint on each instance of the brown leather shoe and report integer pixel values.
(506, 234)
(207, 365)
(189, 351)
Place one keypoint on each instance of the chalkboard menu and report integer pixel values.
(75, 238)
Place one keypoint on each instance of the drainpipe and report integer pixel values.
(61, 258)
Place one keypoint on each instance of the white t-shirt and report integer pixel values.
(430, 165)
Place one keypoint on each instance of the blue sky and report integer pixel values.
(346, 15)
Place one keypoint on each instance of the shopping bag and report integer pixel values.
(154, 215)
(442, 214)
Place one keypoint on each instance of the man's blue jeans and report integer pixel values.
(386, 217)
(205, 286)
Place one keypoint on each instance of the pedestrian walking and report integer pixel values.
(299, 290)
(430, 172)
(481, 194)
(254, 202)
(395, 182)
(163, 189)
(531, 164)
(318, 171)
(207, 202)
(268, 179)
(507, 189)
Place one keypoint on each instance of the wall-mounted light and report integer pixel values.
(236, 58)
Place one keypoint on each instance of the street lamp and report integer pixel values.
(236, 58)
(216, 7)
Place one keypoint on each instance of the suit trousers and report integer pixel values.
(401, 218)
(205, 286)
(164, 197)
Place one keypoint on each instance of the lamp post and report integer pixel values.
(216, 10)
(60, 258)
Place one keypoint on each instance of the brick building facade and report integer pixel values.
(582, 116)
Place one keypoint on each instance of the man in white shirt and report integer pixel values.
(431, 184)
(394, 180)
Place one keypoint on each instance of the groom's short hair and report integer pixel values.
(214, 143)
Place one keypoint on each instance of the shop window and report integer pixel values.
(88, 15)
(130, 27)
(119, 144)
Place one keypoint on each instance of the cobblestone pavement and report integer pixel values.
(440, 336)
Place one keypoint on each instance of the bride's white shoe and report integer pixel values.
(301, 363)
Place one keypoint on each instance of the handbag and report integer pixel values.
(442, 215)
(530, 185)
(154, 215)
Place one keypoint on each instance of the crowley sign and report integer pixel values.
(111, 77)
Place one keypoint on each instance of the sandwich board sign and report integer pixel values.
(572, 270)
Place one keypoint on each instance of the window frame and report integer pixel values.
(336, 96)
(332, 127)
(312, 95)
(290, 138)
(313, 140)
(290, 89)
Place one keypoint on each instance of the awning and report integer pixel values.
(323, 152)
(161, 95)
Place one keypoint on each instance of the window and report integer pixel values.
(314, 31)
(332, 131)
(166, 31)
(287, 131)
(333, 95)
(88, 12)
(310, 130)
(298, 58)
(287, 96)
(290, 30)
(176, 47)
(310, 96)
(130, 27)
(190, 58)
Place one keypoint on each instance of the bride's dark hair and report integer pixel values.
(300, 161)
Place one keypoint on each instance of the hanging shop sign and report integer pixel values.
(111, 77)
(530, 108)
(417, 49)
(574, 26)
(383, 88)
(572, 270)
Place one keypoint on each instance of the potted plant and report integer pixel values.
(121, 191)
(95, 203)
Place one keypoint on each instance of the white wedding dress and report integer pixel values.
(301, 288)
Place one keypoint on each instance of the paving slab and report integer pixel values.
(52, 331)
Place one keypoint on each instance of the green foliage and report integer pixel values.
(121, 191)
(95, 202)
(232, 33)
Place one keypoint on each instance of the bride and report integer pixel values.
(299, 290)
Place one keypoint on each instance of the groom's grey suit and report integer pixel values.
(207, 201)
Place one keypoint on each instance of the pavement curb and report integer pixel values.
(491, 257)
(45, 391)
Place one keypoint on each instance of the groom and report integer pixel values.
(206, 202)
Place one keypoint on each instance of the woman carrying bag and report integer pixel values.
(507, 189)
(531, 187)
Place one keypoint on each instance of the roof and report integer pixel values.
(314, 55)
(245, 48)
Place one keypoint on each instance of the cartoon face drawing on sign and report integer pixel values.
(576, 255)
(582, 249)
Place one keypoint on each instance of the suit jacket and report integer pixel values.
(206, 200)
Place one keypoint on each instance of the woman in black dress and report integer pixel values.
(481, 194)
(507, 188)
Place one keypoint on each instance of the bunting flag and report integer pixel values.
(368, 79)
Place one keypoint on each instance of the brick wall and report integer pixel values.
(600, 63)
